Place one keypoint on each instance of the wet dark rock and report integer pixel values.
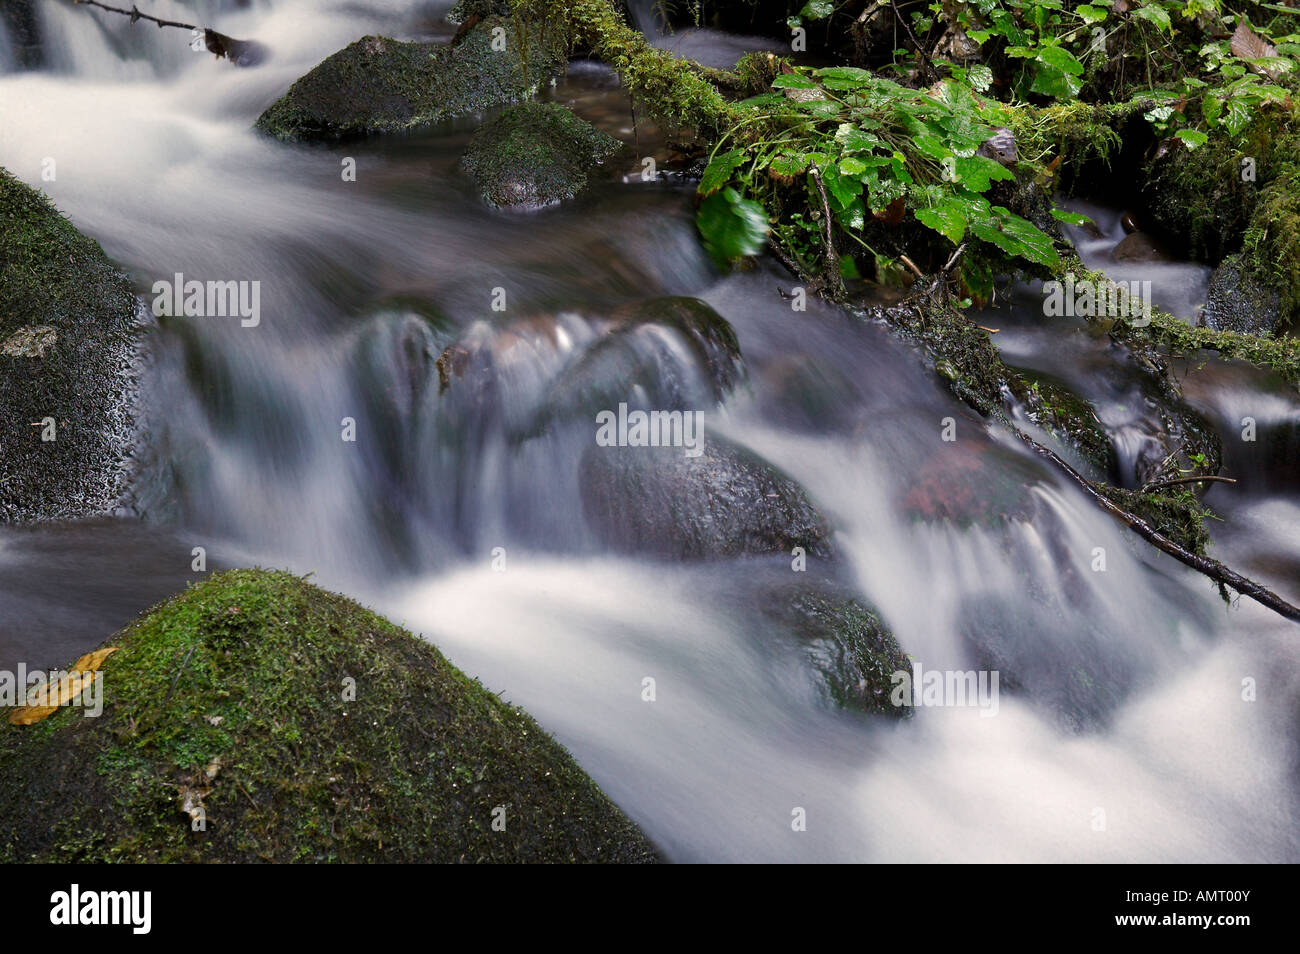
(68, 346)
(534, 155)
(20, 23)
(1140, 248)
(1239, 302)
(381, 85)
(672, 354)
(848, 645)
(726, 502)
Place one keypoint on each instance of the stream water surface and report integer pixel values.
(156, 159)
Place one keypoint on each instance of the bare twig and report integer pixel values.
(1146, 488)
(1211, 568)
(916, 44)
(135, 14)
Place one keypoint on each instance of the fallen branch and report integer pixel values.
(1159, 484)
(239, 52)
(1211, 568)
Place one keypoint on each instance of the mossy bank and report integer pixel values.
(68, 343)
(303, 728)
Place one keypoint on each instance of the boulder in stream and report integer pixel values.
(382, 85)
(1239, 302)
(258, 718)
(535, 155)
(68, 343)
(725, 502)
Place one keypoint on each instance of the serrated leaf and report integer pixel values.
(980, 77)
(793, 81)
(1192, 137)
(1054, 82)
(977, 173)
(845, 77)
(817, 9)
(1211, 107)
(1238, 117)
(946, 219)
(1090, 13)
(1155, 15)
(718, 173)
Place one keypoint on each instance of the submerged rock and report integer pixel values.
(534, 155)
(848, 646)
(381, 85)
(258, 718)
(68, 323)
(725, 502)
(1239, 302)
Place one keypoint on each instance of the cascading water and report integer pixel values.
(974, 558)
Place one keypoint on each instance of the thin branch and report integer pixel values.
(135, 14)
(925, 57)
(1211, 568)
(1146, 488)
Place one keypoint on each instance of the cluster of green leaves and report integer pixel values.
(1230, 90)
(1045, 47)
(861, 146)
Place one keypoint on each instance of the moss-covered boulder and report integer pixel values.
(725, 502)
(1238, 302)
(68, 321)
(259, 718)
(381, 85)
(848, 646)
(534, 155)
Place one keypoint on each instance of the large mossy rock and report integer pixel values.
(233, 699)
(726, 502)
(534, 155)
(68, 323)
(381, 85)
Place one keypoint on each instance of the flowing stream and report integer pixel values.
(156, 159)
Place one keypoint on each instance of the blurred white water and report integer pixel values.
(156, 159)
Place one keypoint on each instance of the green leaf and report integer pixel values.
(850, 166)
(980, 77)
(946, 219)
(732, 227)
(977, 173)
(793, 81)
(842, 189)
(817, 9)
(845, 77)
(1155, 15)
(1070, 218)
(1054, 82)
(1060, 58)
(1192, 137)
(719, 171)
(1016, 237)
(1211, 107)
(789, 164)
(1238, 116)
(1090, 13)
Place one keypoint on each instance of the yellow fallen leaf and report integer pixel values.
(92, 661)
(43, 701)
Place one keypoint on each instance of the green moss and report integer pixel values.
(245, 673)
(676, 93)
(851, 649)
(1176, 513)
(535, 154)
(380, 85)
(52, 277)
